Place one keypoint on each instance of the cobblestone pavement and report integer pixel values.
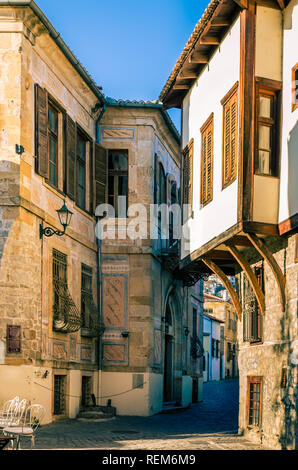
(209, 425)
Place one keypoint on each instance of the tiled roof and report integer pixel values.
(145, 104)
(199, 28)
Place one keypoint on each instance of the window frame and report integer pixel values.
(251, 380)
(268, 88)
(294, 99)
(116, 174)
(56, 137)
(225, 102)
(208, 125)
(187, 192)
(87, 272)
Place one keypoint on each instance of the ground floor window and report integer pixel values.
(254, 400)
(59, 394)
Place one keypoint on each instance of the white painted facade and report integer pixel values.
(288, 199)
(203, 99)
(211, 330)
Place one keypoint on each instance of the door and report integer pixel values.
(168, 369)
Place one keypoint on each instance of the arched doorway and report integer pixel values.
(172, 379)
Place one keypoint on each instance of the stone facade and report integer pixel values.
(29, 56)
(139, 338)
(225, 311)
(274, 358)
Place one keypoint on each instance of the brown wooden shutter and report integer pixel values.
(41, 131)
(230, 137)
(207, 161)
(91, 178)
(70, 157)
(100, 176)
(13, 339)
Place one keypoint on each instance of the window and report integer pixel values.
(59, 394)
(194, 322)
(81, 171)
(207, 161)
(229, 354)
(230, 136)
(13, 339)
(254, 400)
(59, 286)
(217, 348)
(174, 200)
(295, 87)
(188, 179)
(53, 144)
(213, 347)
(86, 295)
(252, 318)
(118, 179)
(267, 134)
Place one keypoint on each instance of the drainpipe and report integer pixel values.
(99, 272)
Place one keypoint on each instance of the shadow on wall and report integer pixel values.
(293, 170)
(286, 393)
(9, 199)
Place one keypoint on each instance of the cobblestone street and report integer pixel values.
(209, 425)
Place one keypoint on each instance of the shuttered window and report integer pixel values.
(13, 339)
(230, 137)
(70, 158)
(81, 170)
(295, 87)
(188, 179)
(41, 132)
(100, 174)
(207, 161)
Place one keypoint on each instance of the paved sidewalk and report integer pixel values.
(209, 425)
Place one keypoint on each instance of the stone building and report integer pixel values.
(236, 84)
(224, 310)
(153, 324)
(57, 288)
(49, 325)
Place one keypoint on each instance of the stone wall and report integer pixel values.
(274, 356)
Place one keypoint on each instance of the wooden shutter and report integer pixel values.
(230, 136)
(188, 177)
(41, 131)
(207, 161)
(13, 339)
(156, 180)
(100, 154)
(70, 157)
(91, 178)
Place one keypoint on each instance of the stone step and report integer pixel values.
(97, 412)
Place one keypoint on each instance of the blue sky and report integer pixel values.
(128, 47)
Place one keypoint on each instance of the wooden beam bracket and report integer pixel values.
(224, 279)
(277, 272)
(250, 275)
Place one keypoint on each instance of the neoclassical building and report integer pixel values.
(153, 324)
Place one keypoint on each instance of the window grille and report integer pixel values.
(66, 317)
(252, 318)
(59, 394)
(91, 325)
(13, 339)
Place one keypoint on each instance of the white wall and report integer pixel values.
(203, 99)
(289, 152)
